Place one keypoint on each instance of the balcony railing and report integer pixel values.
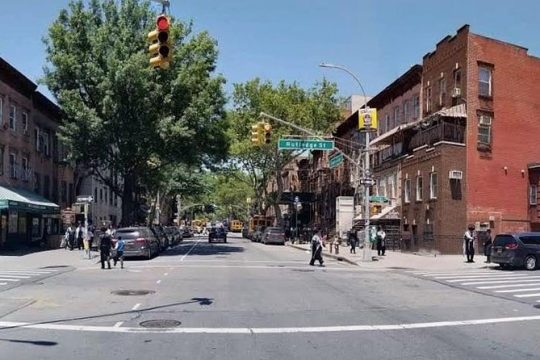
(441, 132)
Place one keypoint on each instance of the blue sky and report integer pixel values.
(287, 39)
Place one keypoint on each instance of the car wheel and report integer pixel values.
(149, 255)
(530, 262)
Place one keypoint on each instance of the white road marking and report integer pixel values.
(457, 273)
(166, 274)
(118, 324)
(251, 331)
(469, 276)
(196, 243)
(15, 276)
(506, 286)
(13, 280)
(488, 278)
(3, 283)
(158, 282)
(138, 305)
(527, 295)
(533, 278)
(186, 265)
(30, 271)
(516, 290)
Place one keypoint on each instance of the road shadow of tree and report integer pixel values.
(32, 342)
(203, 301)
(203, 249)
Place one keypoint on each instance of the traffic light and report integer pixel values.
(267, 133)
(160, 48)
(255, 135)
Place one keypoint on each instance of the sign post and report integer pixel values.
(86, 200)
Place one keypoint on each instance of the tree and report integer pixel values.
(316, 109)
(122, 118)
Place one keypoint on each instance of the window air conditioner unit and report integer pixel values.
(456, 175)
(485, 120)
(456, 92)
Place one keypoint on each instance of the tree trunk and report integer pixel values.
(129, 204)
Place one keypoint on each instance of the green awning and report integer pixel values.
(378, 199)
(25, 200)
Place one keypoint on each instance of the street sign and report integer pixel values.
(85, 199)
(367, 181)
(367, 119)
(296, 199)
(303, 144)
(335, 160)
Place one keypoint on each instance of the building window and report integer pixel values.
(391, 188)
(1, 110)
(1, 159)
(428, 99)
(442, 91)
(407, 191)
(382, 187)
(46, 186)
(484, 81)
(433, 185)
(95, 194)
(428, 231)
(37, 183)
(25, 176)
(533, 194)
(484, 129)
(111, 196)
(45, 139)
(13, 165)
(71, 194)
(406, 111)
(12, 117)
(457, 79)
(419, 188)
(386, 123)
(101, 195)
(25, 122)
(397, 118)
(416, 106)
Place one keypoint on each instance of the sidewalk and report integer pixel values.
(397, 260)
(39, 259)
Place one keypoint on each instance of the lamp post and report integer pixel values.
(366, 180)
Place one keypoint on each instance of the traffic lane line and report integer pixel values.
(11, 280)
(190, 250)
(518, 284)
(15, 276)
(527, 295)
(158, 282)
(136, 306)
(262, 330)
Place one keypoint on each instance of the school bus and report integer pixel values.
(259, 222)
(198, 225)
(236, 226)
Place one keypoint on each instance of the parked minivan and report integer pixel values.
(273, 235)
(516, 249)
(139, 241)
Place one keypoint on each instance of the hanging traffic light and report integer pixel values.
(160, 48)
(255, 135)
(267, 133)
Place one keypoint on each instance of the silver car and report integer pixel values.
(139, 241)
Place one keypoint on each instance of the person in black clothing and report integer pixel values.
(353, 241)
(487, 245)
(105, 248)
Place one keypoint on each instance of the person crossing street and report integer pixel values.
(316, 248)
(119, 256)
(105, 248)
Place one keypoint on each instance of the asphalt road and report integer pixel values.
(242, 300)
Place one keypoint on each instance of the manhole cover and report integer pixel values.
(54, 267)
(132, 292)
(161, 324)
(537, 306)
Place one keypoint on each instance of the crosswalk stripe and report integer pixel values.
(489, 278)
(506, 286)
(13, 280)
(15, 276)
(517, 290)
(493, 274)
(3, 283)
(21, 273)
(527, 295)
(532, 278)
(30, 271)
(458, 273)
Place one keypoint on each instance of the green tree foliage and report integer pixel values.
(316, 109)
(120, 114)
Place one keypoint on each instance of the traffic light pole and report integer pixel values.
(366, 253)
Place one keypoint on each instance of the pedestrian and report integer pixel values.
(105, 248)
(316, 248)
(91, 235)
(468, 243)
(119, 247)
(70, 234)
(79, 235)
(381, 241)
(288, 234)
(353, 241)
(488, 242)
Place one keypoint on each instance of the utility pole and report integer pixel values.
(178, 207)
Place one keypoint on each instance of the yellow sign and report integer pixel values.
(367, 119)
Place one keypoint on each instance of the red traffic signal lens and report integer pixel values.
(162, 23)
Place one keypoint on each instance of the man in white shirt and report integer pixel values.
(381, 241)
(468, 243)
(316, 248)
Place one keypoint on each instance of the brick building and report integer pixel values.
(35, 180)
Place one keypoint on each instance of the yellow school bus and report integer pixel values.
(236, 226)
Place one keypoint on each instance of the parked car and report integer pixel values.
(139, 241)
(173, 234)
(217, 233)
(186, 231)
(257, 234)
(273, 235)
(517, 249)
(245, 232)
(160, 234)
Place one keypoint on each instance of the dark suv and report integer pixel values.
(516, 249)
(216, 234)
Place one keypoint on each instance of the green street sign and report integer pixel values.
(301, 144)
(335, 160)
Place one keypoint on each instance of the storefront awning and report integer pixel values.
(24, 200)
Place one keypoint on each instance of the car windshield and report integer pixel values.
(128, 234)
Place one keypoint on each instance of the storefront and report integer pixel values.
(25, 217)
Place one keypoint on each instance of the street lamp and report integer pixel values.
(366, 181)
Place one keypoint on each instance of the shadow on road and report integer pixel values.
(203, 249)
(32, 342)
(203, 301)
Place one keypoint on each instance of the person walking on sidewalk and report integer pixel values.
(381, 241)
(120, 245)
(353, 241)
(468, 243)
(105, 248)
(316, 248)
(79, 236)
(488, 245)
(70, 234)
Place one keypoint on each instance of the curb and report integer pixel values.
(332, 256)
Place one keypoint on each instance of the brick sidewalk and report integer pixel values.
(397, 260)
